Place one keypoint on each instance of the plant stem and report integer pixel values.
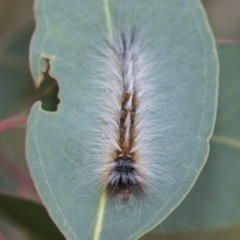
(12, 122)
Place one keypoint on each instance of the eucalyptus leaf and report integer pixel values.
(59, 144)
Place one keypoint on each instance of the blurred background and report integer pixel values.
(17, 93)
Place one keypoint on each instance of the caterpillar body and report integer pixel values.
(126, 173)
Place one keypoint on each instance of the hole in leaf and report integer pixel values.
(48, 92)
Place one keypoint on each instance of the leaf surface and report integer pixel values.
(59, 150)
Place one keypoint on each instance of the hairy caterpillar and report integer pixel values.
(127, 172)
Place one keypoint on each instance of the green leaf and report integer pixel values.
(30, 215)
(214, 200)
(59, 145)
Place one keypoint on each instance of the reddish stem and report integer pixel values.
(12, 122)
